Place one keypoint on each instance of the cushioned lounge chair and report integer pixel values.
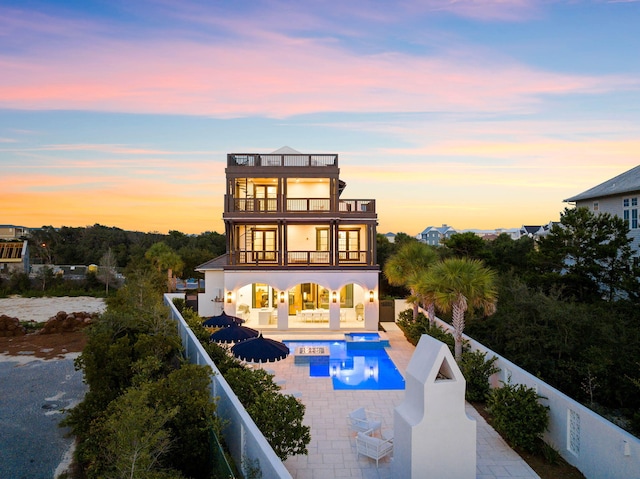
(362, 420)
(373, 447)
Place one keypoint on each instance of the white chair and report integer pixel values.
(362, 420)
(373, 447)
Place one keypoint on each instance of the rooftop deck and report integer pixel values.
(284, 160)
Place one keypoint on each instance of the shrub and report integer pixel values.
(476, 372)
(518, 416)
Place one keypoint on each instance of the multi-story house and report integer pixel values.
(12, 232)
(435, 236)
(617, 196)
(298, 254)
(14, 257)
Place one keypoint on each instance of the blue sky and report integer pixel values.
(475, 113)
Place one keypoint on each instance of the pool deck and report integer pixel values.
(332, 450)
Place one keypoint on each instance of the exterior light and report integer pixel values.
(371, 296)
(228, 296)
(282, 296)
(334, 296)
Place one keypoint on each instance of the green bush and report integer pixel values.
(518, 416)
(476, 371)
(413, 330)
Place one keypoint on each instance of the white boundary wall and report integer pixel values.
(247, 445)
(595, 446)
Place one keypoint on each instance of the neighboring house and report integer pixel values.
(14, 256)
(298, 255)
(12, 232)
(617, 196)
(391, 237)
(435, 236)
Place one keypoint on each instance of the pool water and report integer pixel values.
(352, 369)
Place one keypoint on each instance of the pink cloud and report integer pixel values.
(277, 78)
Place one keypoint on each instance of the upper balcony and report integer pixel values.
(294, 207)
(281, 160)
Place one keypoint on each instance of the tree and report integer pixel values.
(407, 265)
(466, 245)
(165, 259)
(456, 284)
(107, 268)
(588, 256)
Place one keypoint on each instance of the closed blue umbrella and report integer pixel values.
(260, 350)
(222, 321)
(233, 334)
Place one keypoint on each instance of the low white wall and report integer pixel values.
(247, 445)
(595, 446)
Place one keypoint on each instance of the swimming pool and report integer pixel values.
(355, 369)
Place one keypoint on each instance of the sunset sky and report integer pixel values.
(475, 113)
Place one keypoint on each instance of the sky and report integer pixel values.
(480, 114)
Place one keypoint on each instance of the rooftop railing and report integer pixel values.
(300, 160)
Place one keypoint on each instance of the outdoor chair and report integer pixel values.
(362, 420)
(373, 447)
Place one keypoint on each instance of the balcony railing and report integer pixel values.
(300, 258)
(301, 205)
(256, 159)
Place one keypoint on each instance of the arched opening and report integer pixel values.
(305, 305)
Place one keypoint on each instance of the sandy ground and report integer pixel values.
(41, 309)
(36, 390)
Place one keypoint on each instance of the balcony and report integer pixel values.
(301, 258)
(287, 160)
(357, 208)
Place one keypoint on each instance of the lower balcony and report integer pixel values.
(301, 258)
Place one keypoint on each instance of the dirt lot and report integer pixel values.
(43, 346)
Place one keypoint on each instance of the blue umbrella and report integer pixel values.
(222, 321)
(233, 334)
(260, 350)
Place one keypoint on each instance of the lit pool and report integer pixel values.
(370, 369)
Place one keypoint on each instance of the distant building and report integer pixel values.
(14, 257)
(391, 237)
(435, 236)
(12, 232)
(617, 196)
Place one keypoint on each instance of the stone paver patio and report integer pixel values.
(332, 451)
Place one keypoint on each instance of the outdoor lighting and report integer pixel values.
(282, 296)
(228, 296)
(371, 296)
(334, 296)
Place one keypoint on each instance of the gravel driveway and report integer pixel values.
(33, 395)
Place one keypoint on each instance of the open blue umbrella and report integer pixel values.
(233, 334)
(223, 320)
(260, 350)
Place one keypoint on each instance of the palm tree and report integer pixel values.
(456, 284)
(407, 265)
(167, 259)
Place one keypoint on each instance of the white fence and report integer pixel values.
(247, 446)
(595, 446)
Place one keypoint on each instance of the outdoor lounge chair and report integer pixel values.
(373, 447)
(362, 420)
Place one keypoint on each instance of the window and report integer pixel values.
(634, 201)
(264, 245)
(634, 219)
(267, 197)
(322, 239)
(625, 215)
(596, 206)
(625, 202)
(349, 244)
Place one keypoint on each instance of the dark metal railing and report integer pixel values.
(256, 159)
(300, 258)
